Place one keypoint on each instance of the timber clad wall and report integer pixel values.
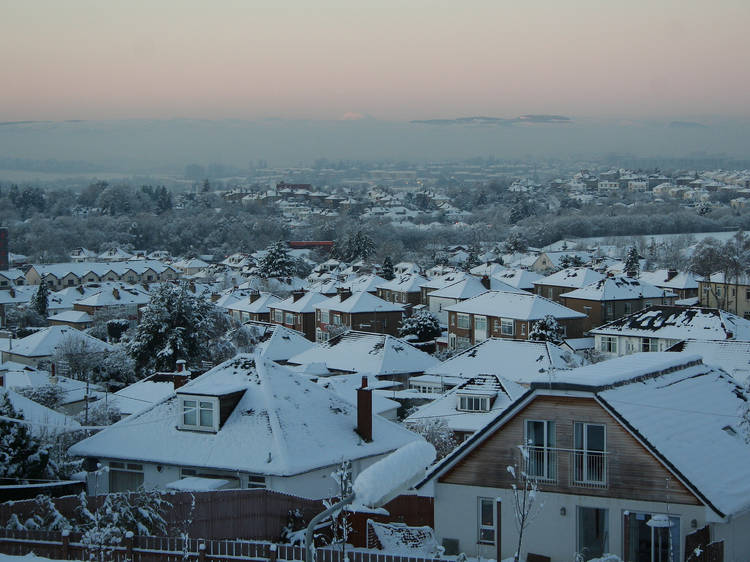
(633, 473)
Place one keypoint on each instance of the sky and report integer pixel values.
(389, 60)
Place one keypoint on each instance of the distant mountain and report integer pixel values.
(481, 120)
(686, 125)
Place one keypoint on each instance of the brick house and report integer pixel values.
(614, 297)
(404, 289)
(498, 314)
(356, 311)
(297, 312)
(564, 281)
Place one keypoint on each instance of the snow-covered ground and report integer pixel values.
(26, 558)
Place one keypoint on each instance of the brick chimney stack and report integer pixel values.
(181, 376)
(671, 274)
(254, 295)
(486, 282)
(344, 293)
(298, 294)
(364, 411)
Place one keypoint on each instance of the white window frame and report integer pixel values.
(507, 326)
(584, 454)
(482, 526)
(463, 321)
(200, 402)
(468, 403)
(608, 344)
(547, 451)
(127, 469)
(278, 316)
(324, 316)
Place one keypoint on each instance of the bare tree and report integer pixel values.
(526, 501)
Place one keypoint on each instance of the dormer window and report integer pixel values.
(474, 403)
(199, 413)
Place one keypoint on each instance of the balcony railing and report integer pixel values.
(585, 469)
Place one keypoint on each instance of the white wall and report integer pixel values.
(437, 307)
(550, 534)
(736, 537)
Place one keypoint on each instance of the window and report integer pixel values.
(550, 293)
(289, 318)
(523, 329)
(480, 328)
(462, 343)
(125, 477)
(593, 532)
(628, 307)
(278, 316)
(587, 310)
(337, 319)
(542, 456)
(506, 326)
(324, 316)
(473, 403)
(747, 294)
(590, 463)
(608, 344)
(486, 520)
(649, 344)
(464, 321)
(199, 413)
(256, 481)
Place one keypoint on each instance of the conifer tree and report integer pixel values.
(387, 271)
(21, 456)
(40, 301)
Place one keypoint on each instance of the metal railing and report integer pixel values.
(586, 469)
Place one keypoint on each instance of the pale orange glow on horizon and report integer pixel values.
(420, 59)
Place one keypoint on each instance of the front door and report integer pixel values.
(480, 328)
(593, 532)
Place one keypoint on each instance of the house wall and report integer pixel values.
(735, 536)
(598, 312)
(573, 328)
(732, 298)
(632, 472)
(550, 533)
(437, 307)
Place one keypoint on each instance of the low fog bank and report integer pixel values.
(153, 146)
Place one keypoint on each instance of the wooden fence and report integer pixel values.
(62, 546)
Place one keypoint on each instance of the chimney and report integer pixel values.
(486, 282)
(254, 295)
(52, 375)
(298, 294)
(364, 411)
(671, 274)
(181, 376)
(344, 293)
(116, 293)
(180, 365)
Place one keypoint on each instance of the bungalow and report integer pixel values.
(255, 307)
(247, 423)
(118, 300)
(501, 314)
(42, 345)
(659, 327)
(356, 311)
(614, 297)
(616, 472)
(297, 312)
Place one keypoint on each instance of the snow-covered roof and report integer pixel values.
(519, 278)
(445, 279)
(44, 342)
(367, 283)
(258, 306)
(358, 303)
(674, 280)
(513, 305)
(141, 395)
(488, 269)
(66, 298)
(42, 420)
(471, 287)
(556, 257)
(346, 387)
(520, 361)
(698, 433)
(572, 277)
(678, 323)
(502, 393)
(116, 296)
(81, 269)
(405, 283)
(72, 316)
(731, 356)
(619, 287)
(282, 425)
(365, 352)
(19, 376)
(305, 303)
(199, 484)
(277, 342)
(20, 294)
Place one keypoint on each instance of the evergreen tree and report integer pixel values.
(632, 263)
(40, 301)
(359, 247)
(175, 325)
(21, 456)
(276, 262)
(422, 324)
(387, 271)
(546, 329)
(472, 260)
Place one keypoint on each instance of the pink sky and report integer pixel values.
(396, 60)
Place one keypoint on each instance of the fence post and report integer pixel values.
(273, 554)
(129, 545)
(202, 552)
(65, 544)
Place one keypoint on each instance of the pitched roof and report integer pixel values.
(471, 287)
(306, 303)
(678, 323)
(358, 303)
(731, 356)
(502, 393)
(277, 342)
(282, 425)
(513, 305)
(42, 420)
(521, 361)
(619, 287)
(405, 283)
(671, 280)
(519, 278)
(44, 342)
(572, 277)
(258, 306)
(121, 294)
(365, 352)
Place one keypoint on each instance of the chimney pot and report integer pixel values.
(254, 295)
(297, 295)
(180, 365)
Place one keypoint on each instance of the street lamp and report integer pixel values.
(379, 483)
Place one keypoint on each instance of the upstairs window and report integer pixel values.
(198, 413)
(464, 321)
(474, 403)
(506, 326)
